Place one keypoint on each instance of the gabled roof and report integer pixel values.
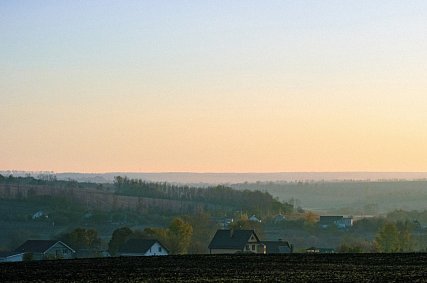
(231, 239)
(277, 247)
(139, 246)
(39, 246)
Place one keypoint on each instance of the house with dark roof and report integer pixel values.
(236, 241)
(143, 247)
(278, 247)
(46, 249)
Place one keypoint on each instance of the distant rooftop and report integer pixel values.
(231, 239)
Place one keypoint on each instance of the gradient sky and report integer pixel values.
(213, 86)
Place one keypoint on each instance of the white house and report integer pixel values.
(46, 249)
(143, 247)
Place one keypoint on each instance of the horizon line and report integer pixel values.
(215, 172)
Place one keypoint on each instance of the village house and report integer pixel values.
(143, 247)
(338, 221)
(236, 241)
(45, 249)
(278, 247)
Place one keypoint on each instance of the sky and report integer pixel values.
(213, 86)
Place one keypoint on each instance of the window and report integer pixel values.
(253, 247)
(160, 249)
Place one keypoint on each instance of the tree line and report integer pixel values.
(44, 180)
(222, 197)
(177, 237)
(254, 201)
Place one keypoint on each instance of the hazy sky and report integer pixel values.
(220, 86)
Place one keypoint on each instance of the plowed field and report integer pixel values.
(216, 268)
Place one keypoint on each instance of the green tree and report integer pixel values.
(388, 239)
(81, 238)
(160, 234)
(405, 236)
(203, 230)
(177, 237)
(355, 245)
(119, 237)
(244, 224)
(311, 217)
(179, 234)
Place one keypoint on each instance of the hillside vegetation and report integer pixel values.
(253, 201)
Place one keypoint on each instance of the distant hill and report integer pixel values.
(348, 197)
(228, 178)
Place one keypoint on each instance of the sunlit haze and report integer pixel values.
(213, 86)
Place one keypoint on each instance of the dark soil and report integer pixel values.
(217, 268)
